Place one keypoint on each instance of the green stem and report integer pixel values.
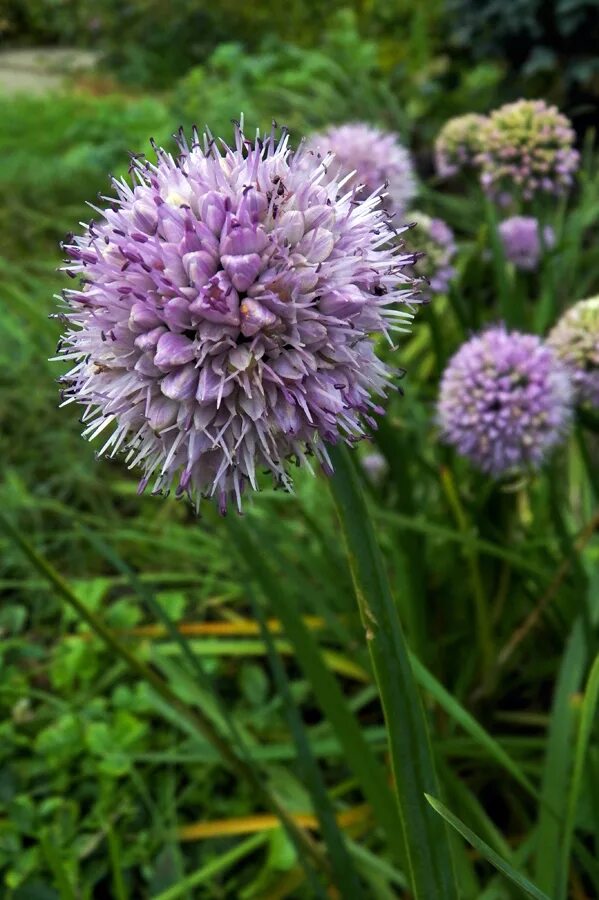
(214, 867)
(483, 618)
(428, 853)
(199, 721)
(590, 468)
(545, 311)
(509, 309)
(396, 451)
(436, 339)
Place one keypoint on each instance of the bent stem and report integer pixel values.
(426, 840)
(196, 718)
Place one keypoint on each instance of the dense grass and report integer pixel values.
(105, 772)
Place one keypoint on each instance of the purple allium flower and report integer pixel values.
(437, 242)
(373, 158)
(226, 316)
(527, 148)
(575, 340)
(504, 401)
(522, 242)
(457, 144)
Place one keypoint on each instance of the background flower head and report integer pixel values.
(224, 320)
(457, 144)
(435, 239)
(575, 340)
(375, 157)
(505, 401)
(527, 148)
(521, 240)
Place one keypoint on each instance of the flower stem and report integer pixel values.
(483, 618)
(510, 312)
(428, 852)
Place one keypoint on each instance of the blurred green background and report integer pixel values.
(96, 773)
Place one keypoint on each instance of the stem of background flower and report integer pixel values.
(545, 308)
(462, 315)
(510, 311)
(436, 337)
(481, 608)
(394, 445)
(591, 469)
(428, 850)
(197, 718)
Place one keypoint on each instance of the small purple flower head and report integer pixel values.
(435, 239)
(527, 148)
(373, 158)
(226, 316)
(457, 144)
(375, 466)
(521, 241)
(504, 401)
(575, 341)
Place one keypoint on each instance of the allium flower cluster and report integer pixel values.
(373, 158)
(527, 148)
(457, 144)
(521, 240)
(575, 340)
(504, 401)
(435, 239)
(225, 317)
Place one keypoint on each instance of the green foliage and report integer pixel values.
(339, 80)
(552, 46)
(57, 152)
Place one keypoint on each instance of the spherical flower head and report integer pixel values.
(521, 240)
(504, 402)
(575, 340)
(527, 149)
(436, 242)
(457, 144)
(372, 158)
(226, 317)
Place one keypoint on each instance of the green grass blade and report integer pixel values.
(558, 763)
(526, 886)
(54, 862)
(462, 717)
(511, 313)
(394, 447)
(587, 720)
(328, 694)
(194, 718)
(146, 595)
(344, 874)
(214, 867)
(427, 844)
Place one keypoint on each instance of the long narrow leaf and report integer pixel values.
(587, 719)
(558, 762)
(426, 838)
(344, 874)
(329, 696)
(500, 864)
